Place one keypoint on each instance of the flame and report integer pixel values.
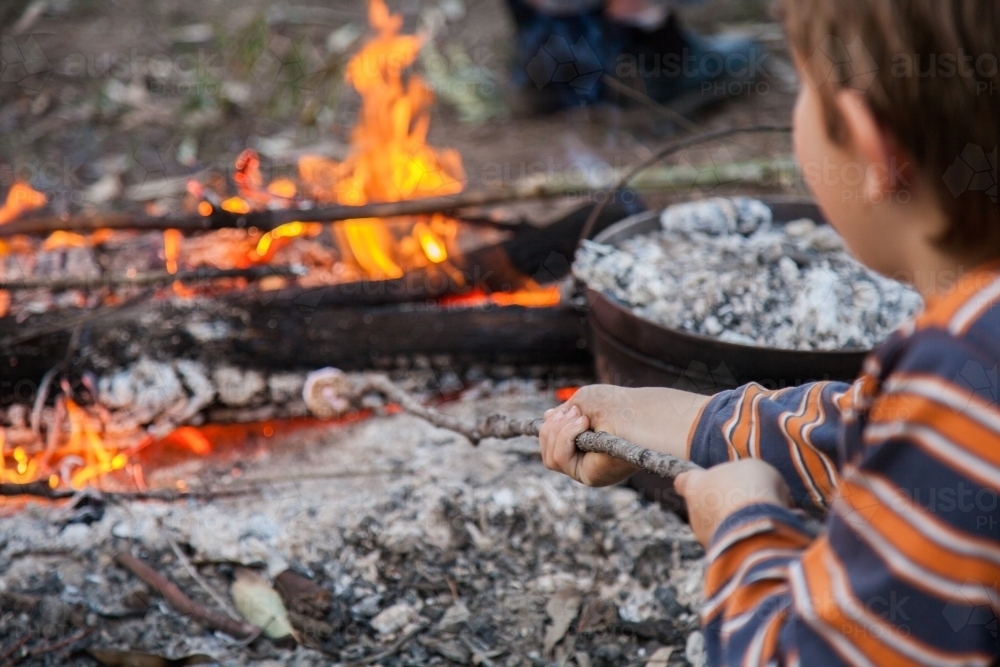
(532, 296)
(172, 240)
(20, 199)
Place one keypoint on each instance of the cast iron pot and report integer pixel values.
(632, 351)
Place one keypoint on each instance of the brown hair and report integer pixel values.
(928, 71)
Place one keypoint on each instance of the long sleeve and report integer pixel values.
(907, 570)
(797, 430)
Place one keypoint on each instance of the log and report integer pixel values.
(150, 278)
(288, 330)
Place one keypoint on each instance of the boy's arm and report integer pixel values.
(908, 568)
(796, 430)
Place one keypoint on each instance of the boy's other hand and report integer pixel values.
(557, 439)
(717, 492)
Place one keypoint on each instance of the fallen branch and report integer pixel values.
(330, 392)
(268, 220)
(181, 602)
(151, 278)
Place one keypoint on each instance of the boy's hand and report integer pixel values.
(558, 444)
(717, 492)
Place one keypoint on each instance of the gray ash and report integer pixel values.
(724, 268)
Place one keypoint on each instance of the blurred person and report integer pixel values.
(565, 48)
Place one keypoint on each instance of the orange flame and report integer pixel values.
(21, 199)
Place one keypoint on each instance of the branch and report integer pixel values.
(330, 392)
(664, 465)
(268, 220)
(181, 602)
(252, 273)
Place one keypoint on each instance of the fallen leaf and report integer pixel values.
(456, 615)
(562, 609)
(302, 595)
(597, 615)
(660, 657)
(260, 604)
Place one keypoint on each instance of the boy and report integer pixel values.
(906, 461)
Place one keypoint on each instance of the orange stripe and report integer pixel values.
(941, 309)
(925, 553)
(722, 569)
(824, 602)
(962, 430)
(747, 597)
(747, 419)
(815, 463)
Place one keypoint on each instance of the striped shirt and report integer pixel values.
(905, 463)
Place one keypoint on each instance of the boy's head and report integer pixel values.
(905, 95)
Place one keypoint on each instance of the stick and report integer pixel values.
(664, 465)
(266, 221)
(252, 273)
(338, 391)
(665, 152)
(181, 602)
(191, 570)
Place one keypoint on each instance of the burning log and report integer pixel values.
(151, 278)
(269, 220)
(330, 393)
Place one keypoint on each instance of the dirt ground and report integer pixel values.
(426, 551)
(101, 96)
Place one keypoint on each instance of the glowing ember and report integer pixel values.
(533, 296)
(21, 199)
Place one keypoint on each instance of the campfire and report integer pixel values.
(80, 440)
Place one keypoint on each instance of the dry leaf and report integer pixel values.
(660, 658)
(260, 604)
(562, 609)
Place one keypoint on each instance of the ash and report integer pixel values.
(724, 268)
(472, 555)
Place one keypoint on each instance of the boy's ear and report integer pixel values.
(883, 166)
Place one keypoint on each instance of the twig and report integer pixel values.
(338, 390)
(212, 593)
(41, 489)
(252, 273)
(181, 602)
(43, 395)
(664, 465)
(44, 649)
(15, 647)
(665, 152)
